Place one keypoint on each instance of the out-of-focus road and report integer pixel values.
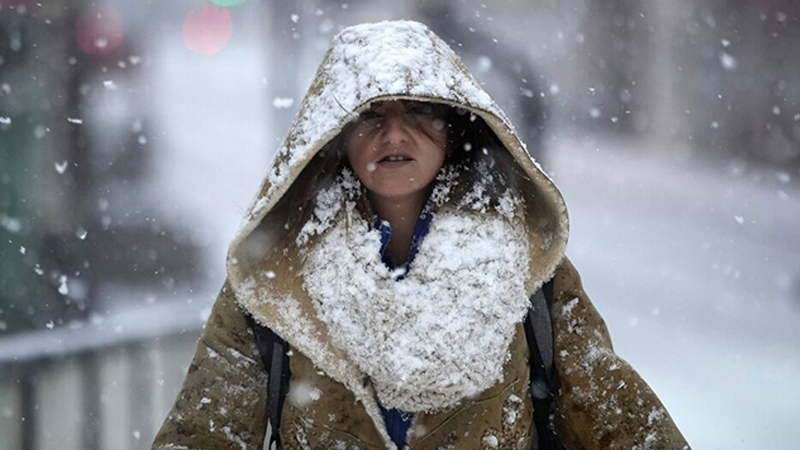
(696, 269)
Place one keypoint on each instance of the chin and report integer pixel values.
(397, 190)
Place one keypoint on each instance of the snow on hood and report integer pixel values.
(366, 63)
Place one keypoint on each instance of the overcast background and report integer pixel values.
(133, 136)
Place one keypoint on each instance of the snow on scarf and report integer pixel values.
(442, 333)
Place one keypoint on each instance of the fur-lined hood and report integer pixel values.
(366, 63)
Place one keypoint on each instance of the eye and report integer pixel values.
(420, 108)
(367, 115)
(368, 118)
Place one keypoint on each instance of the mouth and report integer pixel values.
(395, 158)
(393, 161)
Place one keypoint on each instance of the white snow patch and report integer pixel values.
(234, 438)
(11, 224)
(282, 102)
(63, 289)
(569, 306)
(655, 415)
(329, 203)
(302, 393)
(464, 291)
(728, 61)
(61, 167)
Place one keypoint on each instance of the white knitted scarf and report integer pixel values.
(442, 333)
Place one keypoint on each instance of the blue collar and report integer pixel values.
(398, 422)
(420, 230)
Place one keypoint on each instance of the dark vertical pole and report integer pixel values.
(140, 390)
(91, 420)
(28, 408)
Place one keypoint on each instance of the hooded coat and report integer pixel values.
(332, 403)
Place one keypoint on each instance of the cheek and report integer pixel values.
(349, 145)
(433, 161)
(358, 157)
(355, 151)
(440, 148)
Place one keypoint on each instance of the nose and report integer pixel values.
(394, 129)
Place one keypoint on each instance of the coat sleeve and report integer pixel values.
(603, 404)
(222, 404)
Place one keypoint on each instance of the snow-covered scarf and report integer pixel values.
(442, 333)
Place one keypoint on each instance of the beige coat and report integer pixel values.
(603, 403)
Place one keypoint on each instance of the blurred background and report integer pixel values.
(133, 136)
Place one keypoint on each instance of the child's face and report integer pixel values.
(415, 132)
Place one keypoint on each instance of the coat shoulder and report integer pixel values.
(222, 403)
(603, 403)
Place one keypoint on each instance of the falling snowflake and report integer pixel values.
(62, 288)
(282, 102)
(728, 61)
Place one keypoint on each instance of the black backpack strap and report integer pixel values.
(274, 355)
(544, 379)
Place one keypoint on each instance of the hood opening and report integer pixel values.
(471, 142)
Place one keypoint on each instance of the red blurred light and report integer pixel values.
(98, 30)
(207, 31)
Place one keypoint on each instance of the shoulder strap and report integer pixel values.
(273, 351)
(544, 379)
